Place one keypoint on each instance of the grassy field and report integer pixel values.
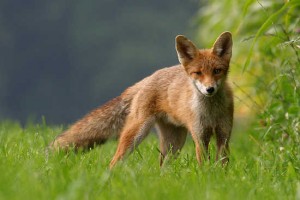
(265, 157)
(256, 171)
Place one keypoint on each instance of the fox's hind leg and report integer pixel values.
(135, 130)
(172, 139)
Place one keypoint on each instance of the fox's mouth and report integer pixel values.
(205, 94)
(209, 95)
(199, 88)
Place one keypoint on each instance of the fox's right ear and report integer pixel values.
(223, 46)
(186, 50)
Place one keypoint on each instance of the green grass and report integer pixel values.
(264, 161)
(257, 170)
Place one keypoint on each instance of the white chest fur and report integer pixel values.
(208, 110)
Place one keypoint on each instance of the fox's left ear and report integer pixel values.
(223, 46)
(186, 50)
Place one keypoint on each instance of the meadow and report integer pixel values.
(265, 152)
(255, 171)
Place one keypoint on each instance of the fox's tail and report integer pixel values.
(96, 127)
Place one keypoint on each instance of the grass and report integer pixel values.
(264, 161)
(256, 170)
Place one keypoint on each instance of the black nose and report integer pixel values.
(210, 90)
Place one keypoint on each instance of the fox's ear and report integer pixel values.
(223, 46)
(186, 50)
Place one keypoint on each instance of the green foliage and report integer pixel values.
(27, 172)
(266, 54)
(264, 162)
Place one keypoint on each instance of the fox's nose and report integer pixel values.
(210, 90)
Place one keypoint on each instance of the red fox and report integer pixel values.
(193, 97)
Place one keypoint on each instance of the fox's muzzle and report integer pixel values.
(205, 90)
(210, 90)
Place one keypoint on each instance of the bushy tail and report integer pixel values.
(96, 127)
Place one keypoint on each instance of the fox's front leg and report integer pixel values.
(223, 137)
(196, 136)
(201, 137)
(134, 132)
(205, 138)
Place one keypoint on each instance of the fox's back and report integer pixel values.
(191, 97)
(170, 93)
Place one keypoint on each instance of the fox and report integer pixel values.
(193, 97)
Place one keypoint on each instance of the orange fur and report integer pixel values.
(191, 97)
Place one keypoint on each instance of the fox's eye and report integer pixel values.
(217, 71)
(198, 73)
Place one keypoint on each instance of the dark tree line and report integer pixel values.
(60, 59)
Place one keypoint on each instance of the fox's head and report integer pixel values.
(207, 68)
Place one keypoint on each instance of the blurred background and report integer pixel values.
(60, 59)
